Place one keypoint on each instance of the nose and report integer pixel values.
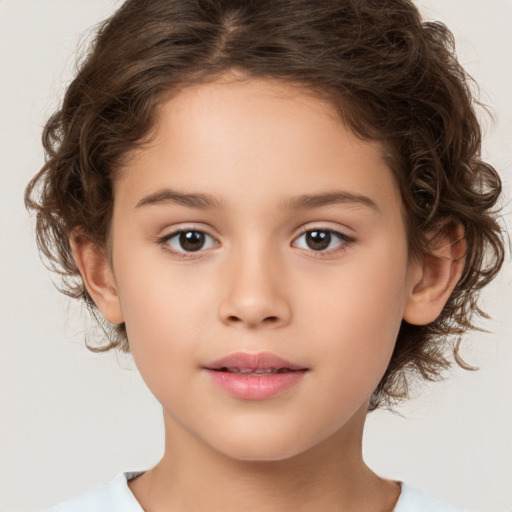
(254, 292)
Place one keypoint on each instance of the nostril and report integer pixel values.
(266, 320)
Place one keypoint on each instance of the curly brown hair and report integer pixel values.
(393, 77)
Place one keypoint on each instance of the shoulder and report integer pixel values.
(112, 497)
(415, 500)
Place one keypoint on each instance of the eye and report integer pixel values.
(188, 241)
(322, 240)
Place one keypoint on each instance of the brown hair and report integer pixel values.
(393, 77)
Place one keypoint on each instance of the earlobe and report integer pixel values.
(434, 277)
(97, 275)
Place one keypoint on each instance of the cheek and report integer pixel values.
(163, 336)
(156, 307)
(170, 317)
(161, 311)
(359, 317)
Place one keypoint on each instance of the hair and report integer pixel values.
(392, 77)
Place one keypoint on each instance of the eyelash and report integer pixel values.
(345, 242)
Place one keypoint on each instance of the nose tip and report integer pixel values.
(255, 297)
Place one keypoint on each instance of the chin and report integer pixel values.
(262, 446)
(263, 455)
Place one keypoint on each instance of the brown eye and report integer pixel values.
(322, 240)
(188, 241)
(318, 240)
(191, 240)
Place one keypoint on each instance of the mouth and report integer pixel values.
(255, 371)
(254, 376)
(263, 363)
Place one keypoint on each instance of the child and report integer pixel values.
(280, 210)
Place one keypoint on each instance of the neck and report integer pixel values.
(330, 476)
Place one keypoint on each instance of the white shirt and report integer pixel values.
(116, 496)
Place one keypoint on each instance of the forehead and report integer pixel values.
(241, 110)
(259, 135)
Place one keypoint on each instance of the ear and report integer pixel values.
(436, 275)
(97, 275)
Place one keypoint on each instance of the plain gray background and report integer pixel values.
(71, 419)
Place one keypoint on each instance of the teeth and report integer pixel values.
(256, 371)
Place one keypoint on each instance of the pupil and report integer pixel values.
(191, 240)
(318, 240)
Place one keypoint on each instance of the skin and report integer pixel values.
(257, 286)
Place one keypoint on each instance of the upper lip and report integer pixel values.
(246, 361)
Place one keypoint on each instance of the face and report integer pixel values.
(260, 261)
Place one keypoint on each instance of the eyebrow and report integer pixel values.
(328, 198)
(307, 201)
(166, 196)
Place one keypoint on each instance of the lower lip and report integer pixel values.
(255, 387)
